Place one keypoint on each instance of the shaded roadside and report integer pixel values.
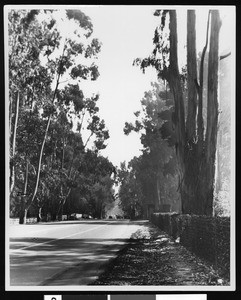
(154, 258)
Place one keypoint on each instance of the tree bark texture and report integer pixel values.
(24, 209)
(39, 217)
(174, 80)
(192, 76)
(212, 109)
(190, 173)
(200, 124)
(12, 168)
(23, 216)
(196, 158)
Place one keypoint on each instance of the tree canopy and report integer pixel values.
(49, 112)
(151, 178)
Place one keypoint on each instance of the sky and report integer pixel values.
(126, 32)
(124, 36)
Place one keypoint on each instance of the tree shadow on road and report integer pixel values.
(31, 260)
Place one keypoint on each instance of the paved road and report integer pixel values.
(65, 253)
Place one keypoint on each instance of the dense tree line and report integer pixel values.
(50, 162)
(149, 182)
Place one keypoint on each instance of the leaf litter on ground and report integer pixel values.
(152, 257)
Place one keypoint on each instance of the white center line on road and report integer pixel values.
(37, 244)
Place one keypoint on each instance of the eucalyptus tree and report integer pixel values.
(29, 81)
(68, 147)
(195, 147)
(95, 182)
(43, 56)
(130, 192)
(158, 139)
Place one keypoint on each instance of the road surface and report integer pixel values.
(65, 253)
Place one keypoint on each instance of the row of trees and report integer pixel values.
(49, 114)
(150, 180)
(181, 125)
(52, 124)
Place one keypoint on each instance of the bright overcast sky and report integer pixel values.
(126, 33)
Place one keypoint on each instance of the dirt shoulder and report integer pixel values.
(153, 258)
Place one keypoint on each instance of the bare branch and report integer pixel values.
(88, 139)
(65, 81)
(225, 55)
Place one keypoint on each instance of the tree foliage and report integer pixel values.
(46, 67)
(154, 172)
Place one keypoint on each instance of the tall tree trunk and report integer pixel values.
(174, 80)
(24, 208)
(63, 154)
(196, 164)
(39, 217)
(158, 192)
(188, 188)
(40, 162)
(32, 198)
(212, 110)
(12, 168)
(199, 176)
(191, 76)
(10, 115)
(23, 216)
(42, 150)
(62, 203)
(200, 125)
